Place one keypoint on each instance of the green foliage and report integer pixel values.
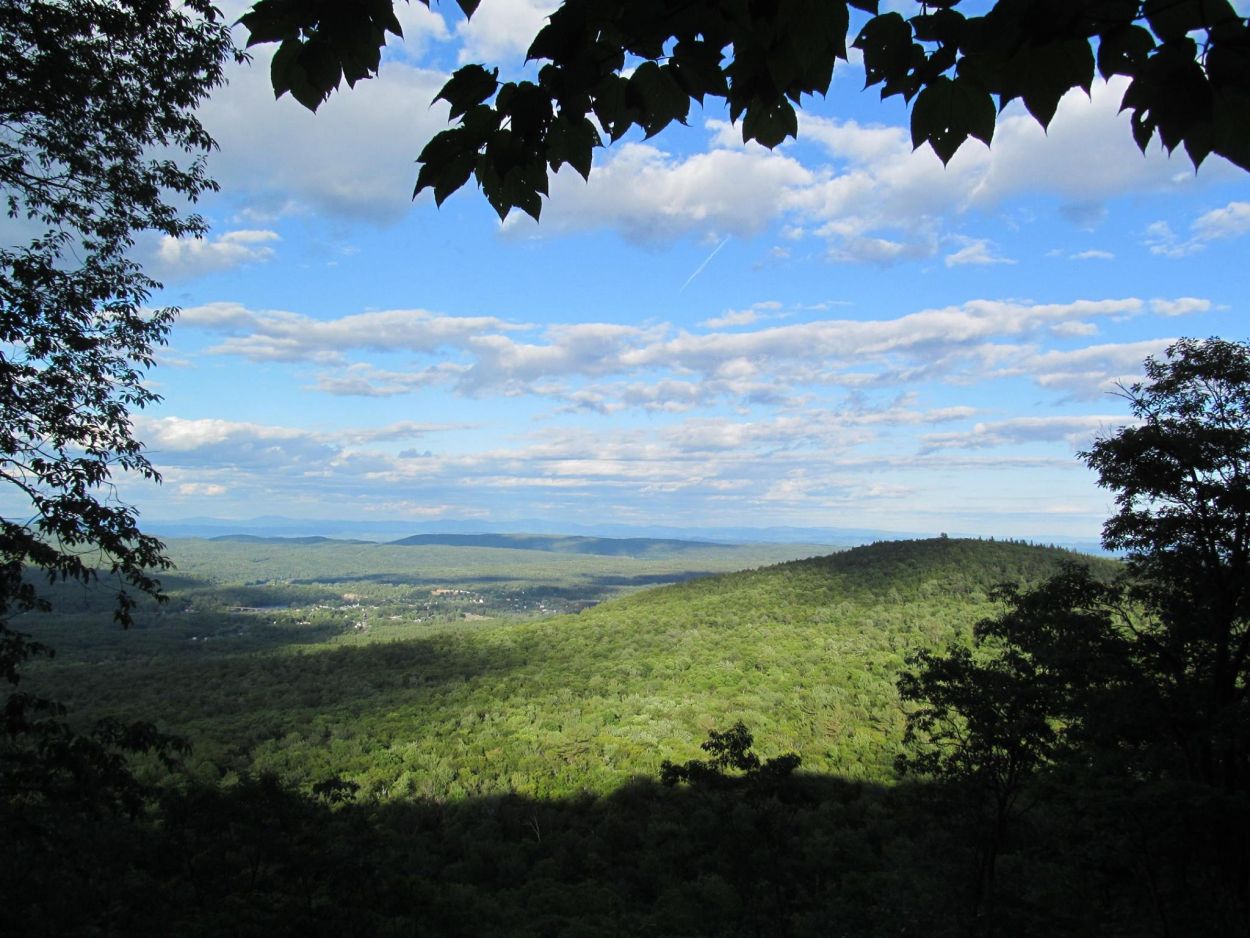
(1082, 684)
(99, 107)
(434, 779)
(1188, 63)
(449, 707)
(730, 750)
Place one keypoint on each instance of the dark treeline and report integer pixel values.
(806, 855)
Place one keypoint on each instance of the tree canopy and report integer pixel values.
(1143, 678)
(100, 142)
(607, 66)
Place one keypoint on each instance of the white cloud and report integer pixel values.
(1074, 327)
(274, 335)
(649, 195)
(975, 251)
(731, 318)
(607, 368)
(215, 443)
(1093, 254)
(202, 489)
(421, 26)
(240, 446)
(1090, 372)
(1231, 221)
(501, 30)
(1075, 431)
(176, 259)
(1181, 306)
(1087, 154)
(869, 195)
(354, 158)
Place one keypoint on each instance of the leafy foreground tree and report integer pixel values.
(607, 66)
(100, 143)
(1131, 695)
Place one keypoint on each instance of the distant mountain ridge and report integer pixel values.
(310, 539)
(286, 528)
(556, 544)
(567, 544)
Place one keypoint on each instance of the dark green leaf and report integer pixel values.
(654, 93)
(280, 67)
(1173, 19)
(1123, 51)
(323, 71)
(886, 42)
(468, 87)
(942, 26)
(697, 68)
(268, 22)
(1046, 73)
(769, 122)
(1231, 126)
(609, 106)
(572, 142)
(947, 112)
(454, 175)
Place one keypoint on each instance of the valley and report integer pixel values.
(453, 671)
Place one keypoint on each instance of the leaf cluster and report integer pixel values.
(1146, 676)
(100, 142)
(608, 66)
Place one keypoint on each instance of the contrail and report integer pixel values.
(707, 260)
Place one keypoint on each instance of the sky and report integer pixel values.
(837, 333)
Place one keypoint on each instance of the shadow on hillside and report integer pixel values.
(277, 689)
(807, 856)
(648, 579)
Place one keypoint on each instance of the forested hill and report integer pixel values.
(806, 653)
(606, 546)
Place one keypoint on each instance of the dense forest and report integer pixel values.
(503, 776)
(805, 652)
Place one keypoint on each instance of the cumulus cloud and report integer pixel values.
(275, 335)
(1231, 221)
(1075, 431)
(687, 470)
(977, 251)
(213, 443)
(732, 318)
(176, 259)
(176, 441)
(867, 192)
(279, 158)
(649, 195)
(1090, 372)
(202, 489)
(362, 379)
(1085, 156)
(501, 30)
(1181, 306)
(1093, 254)
(610, 367)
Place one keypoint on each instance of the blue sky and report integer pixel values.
(840, 332)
